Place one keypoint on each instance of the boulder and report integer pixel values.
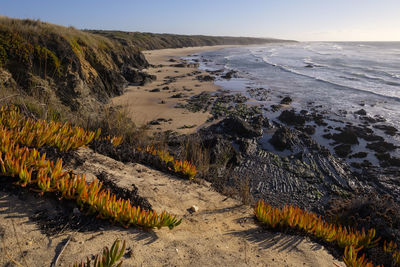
(361, 112)
(359, 155)
(389, 130)
(205, 78)
(381, 146)
(290, 117)
(281, 139)
(342, 150)
(235, 126)
(229, 75)
(286, 100)
(347, 136)
(136, 76)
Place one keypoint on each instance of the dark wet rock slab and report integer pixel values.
(390, 130)
(292, 118)
(309, 177)
(381, 146)
(235, 126)
(347, 136)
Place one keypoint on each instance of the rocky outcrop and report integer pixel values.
(235, 126)
(308, 177)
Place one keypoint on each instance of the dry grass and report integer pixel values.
(39, 28)
(193, 150)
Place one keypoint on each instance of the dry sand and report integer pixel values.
(221, 233)
(144, 106)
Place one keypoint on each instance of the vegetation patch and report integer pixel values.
(29, 168)
(347, 238)
(108, 258)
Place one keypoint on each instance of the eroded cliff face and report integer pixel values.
(64, 65)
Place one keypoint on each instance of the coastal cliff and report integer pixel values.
(63, 65)
(81, 70)
(151, 41)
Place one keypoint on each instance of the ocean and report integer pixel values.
(336, 78)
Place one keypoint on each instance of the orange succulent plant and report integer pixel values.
(350, 239)
(22, 162)
(183, 167)
(350, 258)
(309, 222)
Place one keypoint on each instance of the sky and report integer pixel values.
(302, 20)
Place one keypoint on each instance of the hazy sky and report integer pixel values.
(304, 20)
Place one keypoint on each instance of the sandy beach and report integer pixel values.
(144, 106)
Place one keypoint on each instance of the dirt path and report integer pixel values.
(221, 233)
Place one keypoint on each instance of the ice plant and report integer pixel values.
(108, 258)
(351, 260)
(310, 223)
(28, 167)
(38, 133)
(391, 248)
(185, 168)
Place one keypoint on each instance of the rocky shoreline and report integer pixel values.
(283, 157)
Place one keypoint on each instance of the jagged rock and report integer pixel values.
(229, 74)
(281, 139)
(155, 90)
(381, 146)
(290, 117)
(260, 122)
(235, 126)
(366, 134)
(205, 78)
(390, 130)
(359, 155)
(309, 129)
(361, 112)
(343, 150)
(385, 159)
(136, 76)
(347, 136)
(179, 95)
(275, 108)
(286, 100)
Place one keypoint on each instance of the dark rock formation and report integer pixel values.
(347, 136)
(381, 146)
(286, 100)
(290, 117)
(342, 150)
(389, 130)
(235, 126)
(361, 112)
(282, 139)
(136, 76)
(205, 78)
(229, 75)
